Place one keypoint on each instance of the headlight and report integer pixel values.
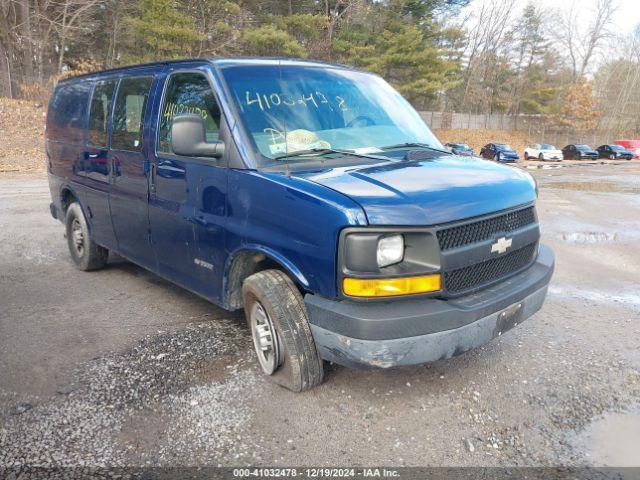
(390, 250)
(384, 261)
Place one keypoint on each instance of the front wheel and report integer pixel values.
(540, 157)
(282, 338)
(496, 158)
(526, 156)
(85, 253)
(612, 157)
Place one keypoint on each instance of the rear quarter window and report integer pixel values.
(67, 113)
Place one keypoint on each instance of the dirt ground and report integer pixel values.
(119, 367)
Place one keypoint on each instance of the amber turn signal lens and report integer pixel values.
(390, 287)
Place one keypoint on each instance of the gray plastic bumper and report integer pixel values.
(409, 332)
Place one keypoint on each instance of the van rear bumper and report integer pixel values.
(410, 332)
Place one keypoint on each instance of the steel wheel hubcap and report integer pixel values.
(265, 339)
(77, 236)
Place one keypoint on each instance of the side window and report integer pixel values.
(68, 112)
(188, 92)
(99, 113)
(128, 115)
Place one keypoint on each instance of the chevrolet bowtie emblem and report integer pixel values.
(501, 245)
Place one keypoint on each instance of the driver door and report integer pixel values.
(188, 194)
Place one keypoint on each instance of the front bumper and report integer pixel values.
(414, 331)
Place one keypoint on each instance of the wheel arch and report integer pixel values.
(250, 259)
(67, 197)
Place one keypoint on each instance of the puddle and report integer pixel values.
(597, 186)
(612, 440)
(590, 237)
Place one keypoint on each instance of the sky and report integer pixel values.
(626, 18)
(628, 15)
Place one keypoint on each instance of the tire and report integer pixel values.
(612, 157)
(85, 253)
(541, 157)
(526, 156)
(294, 363)
(496, 158)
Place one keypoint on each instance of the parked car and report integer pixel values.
(633, 145)
(499, 152)
(542, 151)
(460, 149)
(613, 152)
(579, 152)
(281, 187)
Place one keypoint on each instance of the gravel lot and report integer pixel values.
(119, 367)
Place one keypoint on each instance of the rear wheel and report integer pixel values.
(85, 253)
(280, 329)
(540, 157)
(526, 156)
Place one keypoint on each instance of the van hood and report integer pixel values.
(428, 192)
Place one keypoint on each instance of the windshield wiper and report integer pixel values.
(415, 144)
(324, 151)
(312, 151)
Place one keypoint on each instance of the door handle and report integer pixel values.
(152, 178)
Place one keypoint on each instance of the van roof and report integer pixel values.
(219, 61)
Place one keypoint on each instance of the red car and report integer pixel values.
(633, 145)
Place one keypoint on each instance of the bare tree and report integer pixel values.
(70, 20)
(486, 37)
(582, 39)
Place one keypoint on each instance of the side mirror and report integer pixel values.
(188, 138)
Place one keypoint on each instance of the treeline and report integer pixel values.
(487, 57)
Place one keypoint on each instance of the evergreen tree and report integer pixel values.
(269, 40)
(162, 31)
(403, 54)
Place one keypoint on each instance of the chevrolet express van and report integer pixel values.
(311, 195)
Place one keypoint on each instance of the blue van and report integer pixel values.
(311, 195)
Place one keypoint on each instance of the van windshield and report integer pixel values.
(287, 109)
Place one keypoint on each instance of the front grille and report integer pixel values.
(466, 278)
(461, 235)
